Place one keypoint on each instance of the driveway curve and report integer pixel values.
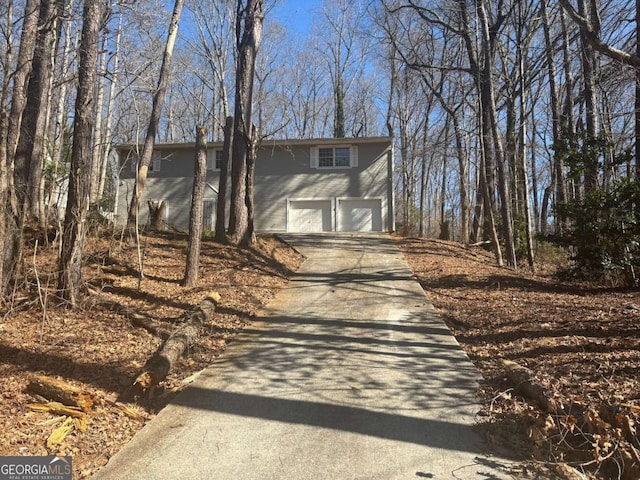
(349, 373)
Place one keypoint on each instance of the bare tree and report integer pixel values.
(221, 234)
(75, 226)
(214, 46)
(21, 76)
(306, 103)
(105, 148)
(249, 16)
(342, 55)
(587, 17)
(197, 208)
(30, 147)
(556, 127)
(154, 120)
(9, 226)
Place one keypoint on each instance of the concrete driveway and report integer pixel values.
(349, 373)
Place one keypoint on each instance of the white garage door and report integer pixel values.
(309, 216)
(359, 215)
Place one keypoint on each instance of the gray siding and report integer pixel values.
(283, 172)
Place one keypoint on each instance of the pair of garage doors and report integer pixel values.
(351, 215)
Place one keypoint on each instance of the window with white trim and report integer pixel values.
(334, 157)
(214, 159)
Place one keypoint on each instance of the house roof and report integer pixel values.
(270, 143)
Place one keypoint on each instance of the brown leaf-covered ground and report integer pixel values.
(96, 348)
(582, 344)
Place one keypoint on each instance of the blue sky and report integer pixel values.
(296, 15)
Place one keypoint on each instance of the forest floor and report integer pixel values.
(581, 343)
(95, 347)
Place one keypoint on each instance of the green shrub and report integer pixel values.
(605, 231)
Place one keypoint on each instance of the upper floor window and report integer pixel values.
(214, 159)
(154, 166)
(334, 157)
(156, 159)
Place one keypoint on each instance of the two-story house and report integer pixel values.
(316, 185)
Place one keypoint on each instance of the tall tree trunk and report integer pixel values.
(221, 207)
(534, 174)
(249, 18)
(476, 231)
(558, 164)
(59, 129)
(105, 148)
(21, 78)
(339, 122)
(568, 116)
(589, 74)
(489, 106)
(637, 101)
(393, 75)
(404, 171)
(99, 134)
(26, 124)
(512, 148)
(30, 147)
(524, 175)
(4, 125)
(446, 228)
(493, 233)
(70, 262)
(154, 120)
(462, 181)
(485, 201)
(4, 96)
(249, 200)
(197, 208)
(423, 181)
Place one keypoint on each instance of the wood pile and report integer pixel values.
(72, 404)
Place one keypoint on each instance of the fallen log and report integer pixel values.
(186, 334)
(526, 384)
(150, 326)
(137, 320)
(480, 244)
(62, 392)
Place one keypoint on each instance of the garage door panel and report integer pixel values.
(310, 216)
(360, 215)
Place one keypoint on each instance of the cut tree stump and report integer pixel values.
(62, 392)
(186, 334)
